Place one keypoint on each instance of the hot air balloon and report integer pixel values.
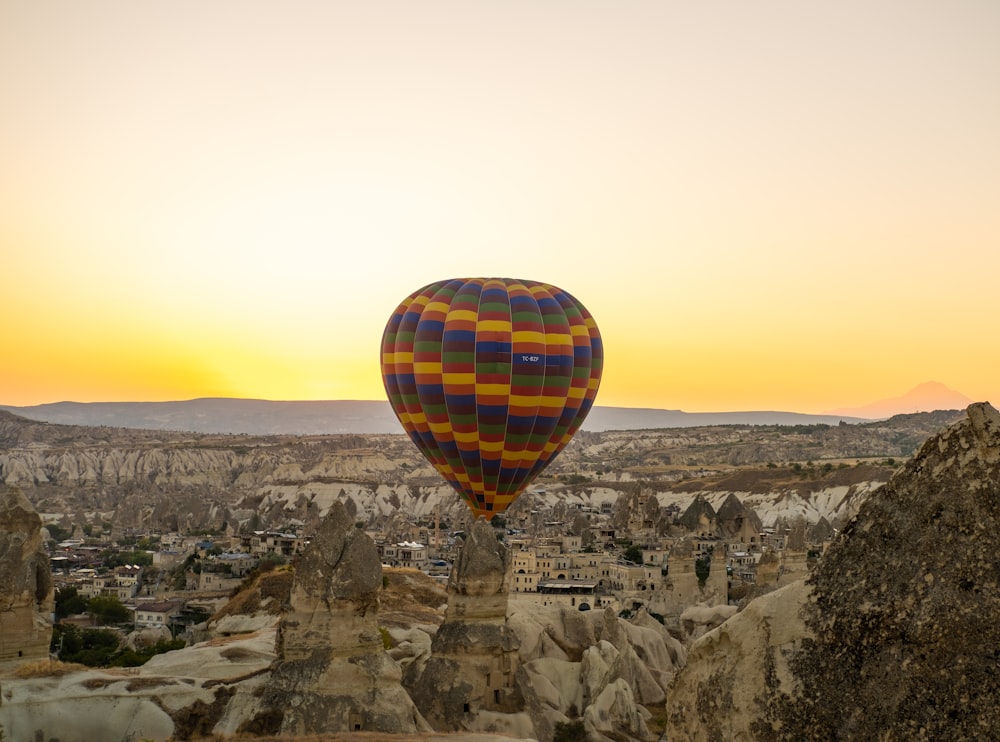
(490, 378)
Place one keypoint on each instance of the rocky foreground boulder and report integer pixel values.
(895, 635)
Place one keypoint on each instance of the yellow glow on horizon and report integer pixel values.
(756, 218)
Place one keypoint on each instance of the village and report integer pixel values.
(173, 582)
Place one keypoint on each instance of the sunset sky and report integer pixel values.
(765, 205)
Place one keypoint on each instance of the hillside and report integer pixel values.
(79, 475)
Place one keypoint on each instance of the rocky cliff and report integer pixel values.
(894, 635)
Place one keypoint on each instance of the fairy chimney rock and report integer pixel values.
(332, 673)
(480, 580)
(474, 652)
(26, 594)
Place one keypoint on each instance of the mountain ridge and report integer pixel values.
(925, 397)
(303, 417)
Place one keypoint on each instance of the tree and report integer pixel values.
(92, 647)
(58, 533)
(108, 609)
(115, 558)
(703, 567)
(69, 602)
(101, 647)
(633, 554)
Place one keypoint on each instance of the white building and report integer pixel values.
(405, 554)
(159, 613)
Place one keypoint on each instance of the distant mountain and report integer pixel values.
(265, 417)
(601, 419)
(225, 415)
(926, 397)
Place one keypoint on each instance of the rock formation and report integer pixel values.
(895, 633)
(526, 672)
(26, 594)
(473, 655)
(693, 578)
(700, 517)
(591, 668)
(332, 673)
(730, 671)
(737, 522)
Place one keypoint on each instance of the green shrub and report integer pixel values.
(386, 639)
(633, 554)
(569, 731)
(702, 568)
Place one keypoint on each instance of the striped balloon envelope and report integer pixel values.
(491, 377)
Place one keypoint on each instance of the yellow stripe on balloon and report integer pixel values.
(448, 378)
(533, 400)
(493, 325)
(558, 338)
(490, 389)
(520, 456)
(528, 336)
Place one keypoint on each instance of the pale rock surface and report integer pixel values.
(590, 651)
(676, 651)
(171, 696)
(718, 694)
(410, 646)
(535, 635)
(627, 666)
(558, 632)
(614, 715)
(147, 637)
(242, 623)
(655, 648)
(699, 619)
(552, 693)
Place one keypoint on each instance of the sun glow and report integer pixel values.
(757, 220)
